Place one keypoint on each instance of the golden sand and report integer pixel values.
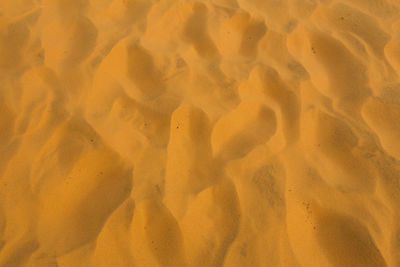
(179, 133)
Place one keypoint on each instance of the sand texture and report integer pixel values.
(199, 133)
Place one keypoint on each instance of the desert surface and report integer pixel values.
(199, 133)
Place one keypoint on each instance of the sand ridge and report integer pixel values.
(199, 133)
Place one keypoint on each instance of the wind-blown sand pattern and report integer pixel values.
(179, 133)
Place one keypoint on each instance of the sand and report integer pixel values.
(180, 133)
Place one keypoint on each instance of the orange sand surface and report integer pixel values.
(204, 133)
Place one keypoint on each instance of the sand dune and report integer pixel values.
(199, 133)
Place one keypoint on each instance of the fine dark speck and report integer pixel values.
(40, 55)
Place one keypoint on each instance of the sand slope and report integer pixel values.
(199, 133)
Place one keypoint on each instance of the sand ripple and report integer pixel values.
(199, 133)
